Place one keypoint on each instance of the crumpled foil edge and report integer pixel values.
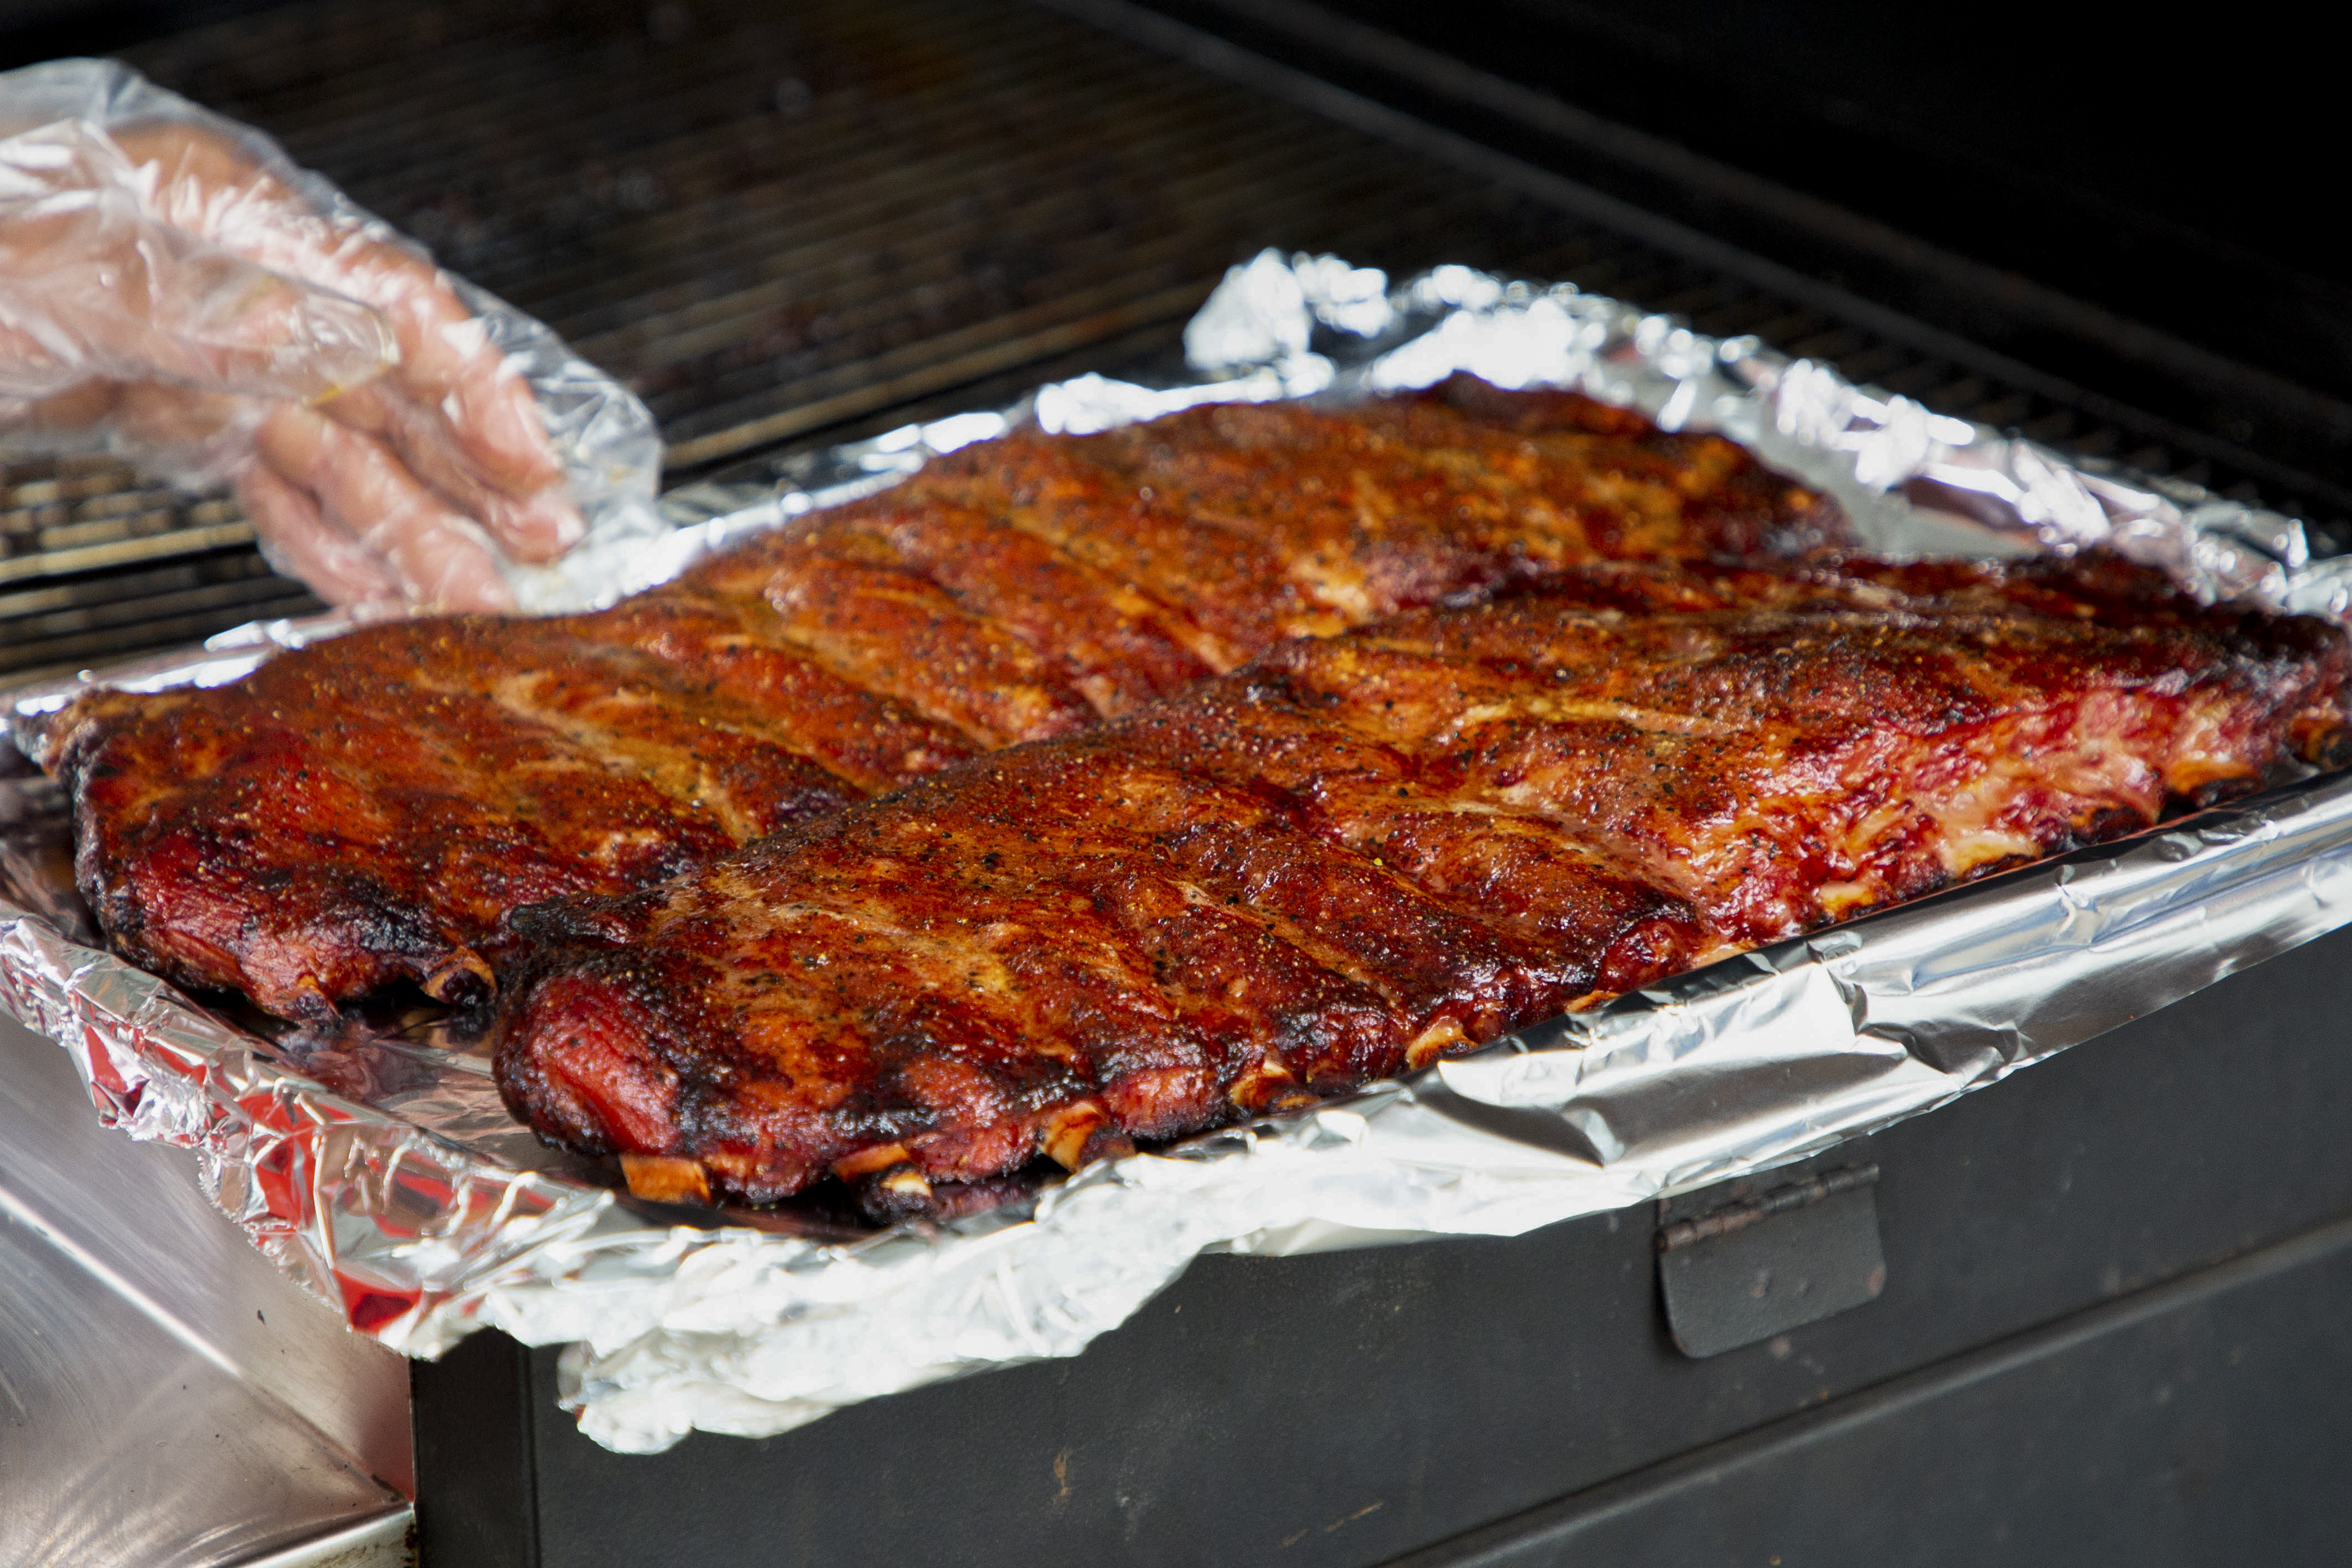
(420, 1240)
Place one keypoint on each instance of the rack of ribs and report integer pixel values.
(370, 810)
(1354, 855)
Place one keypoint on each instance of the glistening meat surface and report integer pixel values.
(1355, 854)
(370, 810)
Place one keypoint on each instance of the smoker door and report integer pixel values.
(2110, 1331)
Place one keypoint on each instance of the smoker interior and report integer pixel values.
(783, 225)
(2107, 1329)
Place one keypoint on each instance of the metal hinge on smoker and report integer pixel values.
(1759, 1266)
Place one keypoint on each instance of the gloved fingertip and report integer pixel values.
(496, 419)
(571, 527)
(338, 344)
(540, 528)
(477, 592)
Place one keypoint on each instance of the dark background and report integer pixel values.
(2178, 172)
(2182, 173)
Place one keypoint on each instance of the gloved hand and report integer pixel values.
(173, 288)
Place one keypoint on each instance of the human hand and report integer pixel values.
(161, 284)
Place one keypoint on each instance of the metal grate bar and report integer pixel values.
(781, 225)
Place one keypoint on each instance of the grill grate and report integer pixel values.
(780, 229)
(764, 225)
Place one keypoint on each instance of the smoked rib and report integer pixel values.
(370, 810)
(1355, 854)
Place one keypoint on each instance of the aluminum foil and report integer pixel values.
(378, 1167)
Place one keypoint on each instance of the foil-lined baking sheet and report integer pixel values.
(378, 1166)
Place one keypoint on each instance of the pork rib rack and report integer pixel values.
(1355, 854)
(370, 810)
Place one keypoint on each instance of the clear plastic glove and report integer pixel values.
(173, 288)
